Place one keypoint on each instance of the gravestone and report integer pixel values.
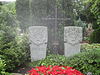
(54, 14)
(38, 38)
(72, 38)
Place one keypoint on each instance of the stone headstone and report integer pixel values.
(72, 38)
(38, 38)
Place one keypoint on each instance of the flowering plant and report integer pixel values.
(54, 70)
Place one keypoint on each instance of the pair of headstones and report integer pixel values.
(38, 36)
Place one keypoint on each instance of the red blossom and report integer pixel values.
(54, 70)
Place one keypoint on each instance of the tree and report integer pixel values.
(91, 12)
(95, 9)
(12, 52)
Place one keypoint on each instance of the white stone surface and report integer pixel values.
(38, 37)
(72, 38)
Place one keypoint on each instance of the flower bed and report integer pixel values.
(54, 70)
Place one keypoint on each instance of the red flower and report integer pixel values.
(54, 70)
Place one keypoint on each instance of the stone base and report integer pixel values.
(71, 50)
(38, 52)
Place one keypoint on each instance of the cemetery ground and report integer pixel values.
(50, 33)
(86, 61)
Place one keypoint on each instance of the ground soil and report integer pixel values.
(22, 70)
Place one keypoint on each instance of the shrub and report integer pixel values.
(15, 54)
(3, 67)
(87, 47)
(15, 51)
(50, 60)
(88, 61)
(95, 36)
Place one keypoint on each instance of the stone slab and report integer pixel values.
(38, 37)
(72, 38)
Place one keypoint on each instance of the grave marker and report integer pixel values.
(72, 38)
(38, 38)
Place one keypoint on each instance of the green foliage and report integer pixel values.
(91, 13)
(50, 60)
(94, 38)
(87, 39)
(14, 53)
(9, 8)
(88, 47)
(88, 61)
(3, 67)
(13, 46)
(95, 9)
(8, 14)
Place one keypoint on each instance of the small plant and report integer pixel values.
(86, 39)
(87, 47)
(54, 70)
(3, 67)
(50, 60)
